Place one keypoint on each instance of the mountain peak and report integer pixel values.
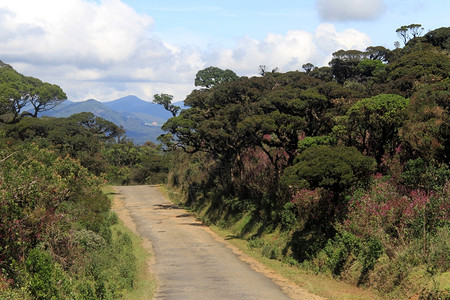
(128, 99)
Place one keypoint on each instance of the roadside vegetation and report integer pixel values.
(341, 171)
(58, 237)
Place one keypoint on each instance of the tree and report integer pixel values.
(308, 67)
(81, 136)
(369, 67)
(372, 124)
(408, 32)
(322, 73)
(416, 66)
(344, 64)
(439, 37)
(18, 91)
(379, 53)
(166, 101)
(335, 168)
(426, 132)
(262, 70)
(212, 76)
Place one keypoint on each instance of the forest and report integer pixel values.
(341, 170)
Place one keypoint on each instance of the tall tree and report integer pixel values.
(18, 92)
(408, 32)
(308, 67)
(211, 76)
(344, 64)
(372, 124)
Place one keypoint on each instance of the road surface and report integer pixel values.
(191, 262)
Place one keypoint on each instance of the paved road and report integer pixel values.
(189, 262)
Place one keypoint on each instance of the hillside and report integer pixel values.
(141, 120)
(134, 105)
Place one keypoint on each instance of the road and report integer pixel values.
(191, 262)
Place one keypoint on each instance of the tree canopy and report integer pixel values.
(19, 92)
(212, 75)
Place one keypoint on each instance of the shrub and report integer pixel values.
(47, 280)
(334, 168)
(385, 212)
(288, 216)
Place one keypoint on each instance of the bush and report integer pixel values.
(47, 280)
(288, 216)
(55, 236)
(395, 217)
(334, 168)
(340, 249)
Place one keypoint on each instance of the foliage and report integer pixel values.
(297, 151)
(334, 168)
(408, 32)
(439, 37)
(17, 92)
(371, 124)
(418, 173)
(80, 136)
(166, 101)
(311, 141)
(426, 132)
(397, 217)
(55, 228)
(129, 164)
(212, 76)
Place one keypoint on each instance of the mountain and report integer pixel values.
(142, 120)
(132, 104)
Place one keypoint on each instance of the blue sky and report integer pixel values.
(108, 49)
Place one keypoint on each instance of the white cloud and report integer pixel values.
(289, 52)
(71, 31)
(350, 10)
(329, 40)
(92, 48)
(282, 51)
(106, 50)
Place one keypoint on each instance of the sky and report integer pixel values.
(107, 49)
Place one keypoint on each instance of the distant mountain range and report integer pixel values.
(141, 119)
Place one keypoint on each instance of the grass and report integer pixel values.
(145, 283)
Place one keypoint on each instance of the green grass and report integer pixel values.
(144, 284)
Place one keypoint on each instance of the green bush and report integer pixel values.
(340, 249)
(288, 215)
(46, 279)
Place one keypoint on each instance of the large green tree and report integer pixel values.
(212, 76)
(372, 124)
(336, 168)
(18, 92)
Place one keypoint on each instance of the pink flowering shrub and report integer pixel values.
(396, 216)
